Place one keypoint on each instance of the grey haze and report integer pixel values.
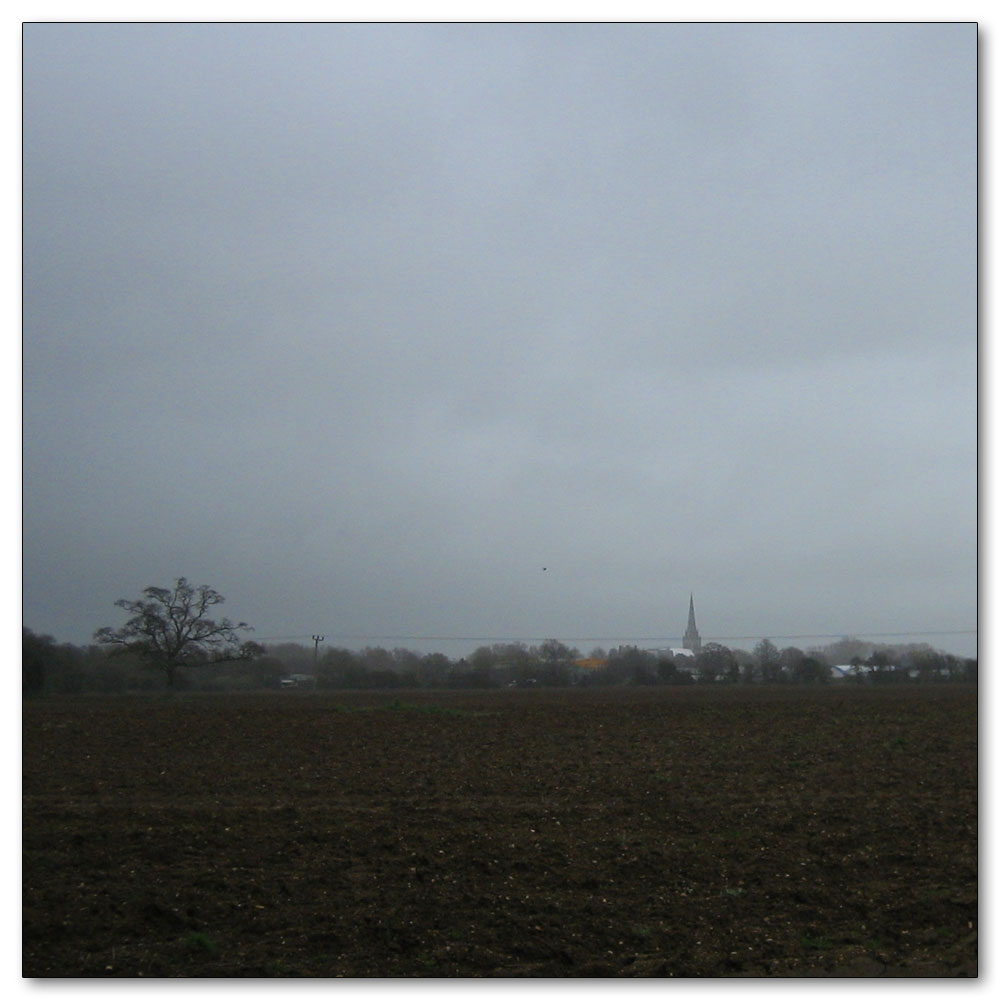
(364, 325)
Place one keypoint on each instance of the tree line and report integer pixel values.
(170, 641)
(62, 668)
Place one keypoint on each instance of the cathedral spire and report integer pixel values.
(692, 640)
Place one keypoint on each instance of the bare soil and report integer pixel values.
(699, 832)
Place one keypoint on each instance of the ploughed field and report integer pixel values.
(702, 831)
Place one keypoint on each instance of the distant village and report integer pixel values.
(49, 667)
(552, 663)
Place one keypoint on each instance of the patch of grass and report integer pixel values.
(403, 706)
(199, 942)
(816, 943)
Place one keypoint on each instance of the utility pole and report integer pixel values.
(317, 639)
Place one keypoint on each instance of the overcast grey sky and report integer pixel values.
(364, 325)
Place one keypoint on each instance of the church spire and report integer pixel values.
(692, 640)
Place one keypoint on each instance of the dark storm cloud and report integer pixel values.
(364, 324)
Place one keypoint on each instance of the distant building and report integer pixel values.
(586, 667)
(683, 660)
(692, 641)
(298, 680)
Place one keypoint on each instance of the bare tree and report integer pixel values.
(768, 661)
(171, 629)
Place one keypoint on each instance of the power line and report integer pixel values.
(854, 635)
(620, 637)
